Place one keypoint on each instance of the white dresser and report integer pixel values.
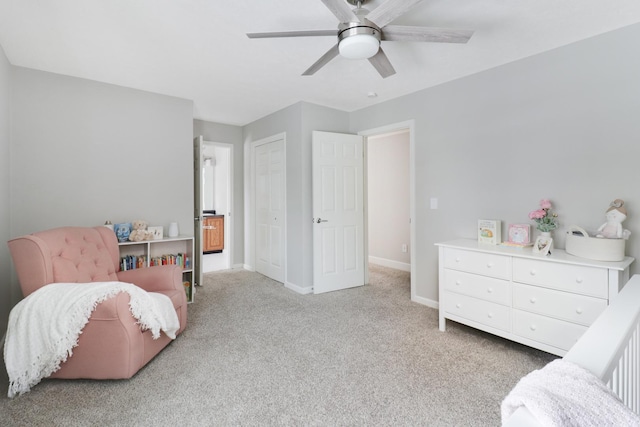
(546, 302)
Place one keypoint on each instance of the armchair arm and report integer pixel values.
(153, 279)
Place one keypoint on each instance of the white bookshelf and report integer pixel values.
(157, 249)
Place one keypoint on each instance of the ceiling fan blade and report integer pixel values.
(390, 10)
(324, 60)
(341, 10)
(422, 34)
(309, 33)
(382, 64)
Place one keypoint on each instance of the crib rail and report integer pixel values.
(611, 346)
(610, 349)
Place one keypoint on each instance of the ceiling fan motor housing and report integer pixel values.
(357, 40)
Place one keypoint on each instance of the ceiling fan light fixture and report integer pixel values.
(359, 42)
(360, 46)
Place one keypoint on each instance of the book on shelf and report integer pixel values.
(516, 245)
(172, 259)
(132, 262)
(187, 289)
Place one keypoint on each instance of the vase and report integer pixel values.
(173, 229)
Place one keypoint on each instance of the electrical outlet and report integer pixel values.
(404, 248)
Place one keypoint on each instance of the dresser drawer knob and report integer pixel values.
(533, 327)
(532, 300)
(579, 280)
(457, 259)
(579, 310)
(457, 282)
(532, 272)
(458, 305)
(489, 264)
(490, 315)
(490, 290)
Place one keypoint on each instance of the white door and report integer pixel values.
(338, 211)
(197, 210)
(270, 191)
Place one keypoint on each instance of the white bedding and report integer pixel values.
(564, 394)
(44, 327)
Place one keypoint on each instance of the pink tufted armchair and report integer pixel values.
(111, 345)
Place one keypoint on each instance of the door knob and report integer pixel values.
(319, 220)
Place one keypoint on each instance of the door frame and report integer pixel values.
(250, 253)
(229, 221)
(410, 125)
(197, 210)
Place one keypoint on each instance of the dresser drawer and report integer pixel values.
(485, 312)
(573, 278)
(561, 305)
(477, 262)
(553, 332)
(487, 288)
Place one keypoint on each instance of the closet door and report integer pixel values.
(270, 190)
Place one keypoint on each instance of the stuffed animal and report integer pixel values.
(139, 232)
(612, 229)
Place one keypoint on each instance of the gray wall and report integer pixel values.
(561, 125)
(5, 202)
(215, 132)
(84, 152)
(297, 121)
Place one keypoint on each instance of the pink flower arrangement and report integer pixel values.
(545, 220)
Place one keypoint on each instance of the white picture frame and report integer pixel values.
(157, 232)
(542, 246)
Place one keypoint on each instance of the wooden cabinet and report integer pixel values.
(172, 250)
(545, 302)
(213, 234)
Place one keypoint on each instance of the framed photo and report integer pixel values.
(489, 231)
(156, 231)
(542, 246)
(122, 230)
(520, 234)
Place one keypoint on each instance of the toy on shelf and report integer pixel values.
(612, 229)
(139, 232)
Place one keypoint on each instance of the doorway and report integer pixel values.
(388, 200)
(409, 128)
(217, 202)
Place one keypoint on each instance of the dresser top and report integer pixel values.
(557, 255)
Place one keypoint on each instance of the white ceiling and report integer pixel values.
(197, 49)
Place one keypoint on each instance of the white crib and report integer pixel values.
(610, 349)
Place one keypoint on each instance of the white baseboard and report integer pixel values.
(299, 289)
(246, 267)
(403, 266)
(426, 301)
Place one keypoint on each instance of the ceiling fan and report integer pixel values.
(360, 33)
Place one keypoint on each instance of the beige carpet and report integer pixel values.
(255, 353)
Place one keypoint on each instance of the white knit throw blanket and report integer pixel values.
(565, 394)
(45, 326)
